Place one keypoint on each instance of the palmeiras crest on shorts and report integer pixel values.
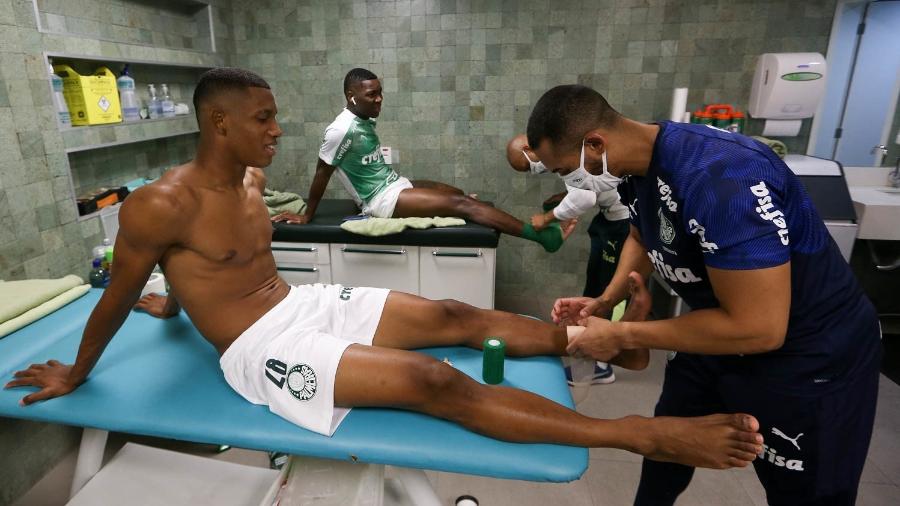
(301, 382)
(666, 229)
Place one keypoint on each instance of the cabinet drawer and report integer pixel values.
(305, 274)
(464, 274)
(393, 267)
(300, 253)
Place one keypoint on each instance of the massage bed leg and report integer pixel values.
(418, 488)
(90, 457)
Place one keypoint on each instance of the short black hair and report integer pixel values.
(357, 75)
(214, 81)
(565, 113)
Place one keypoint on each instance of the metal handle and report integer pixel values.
(401, 251)
(879, 147)
(299, 269)
(459, 254)
(307, 249)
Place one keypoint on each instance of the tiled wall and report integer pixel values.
(120, 164)
(461, 77)
(40, 235)
(179, 24)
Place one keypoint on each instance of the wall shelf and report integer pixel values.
(85, 138)
(61, 57)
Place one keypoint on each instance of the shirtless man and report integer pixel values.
(352, 147)
(312, 352)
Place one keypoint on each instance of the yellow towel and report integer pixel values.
(375, 227)
(16, 297)
(42, 310)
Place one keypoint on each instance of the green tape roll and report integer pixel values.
(492, 366)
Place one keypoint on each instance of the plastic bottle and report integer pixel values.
(168, 106)
(105, 251)
(131, 108)
(99, 252)
(99, 278)
(62, 110)
(154, 105)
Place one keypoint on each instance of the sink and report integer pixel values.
(877, 211)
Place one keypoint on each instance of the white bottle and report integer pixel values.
(131, 108)
(168, 106)
(62, 110)
(154, 106)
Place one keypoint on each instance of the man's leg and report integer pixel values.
(409, 322)
(427, 202)
(689, 389)
(816, 443)
(372, 376)
(436, 185)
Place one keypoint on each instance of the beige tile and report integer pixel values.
(871, 494)
(612, 483)
(715, 488)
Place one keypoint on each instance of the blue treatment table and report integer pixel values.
(161, 378)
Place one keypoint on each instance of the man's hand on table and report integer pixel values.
(52, 378)
(298, 219)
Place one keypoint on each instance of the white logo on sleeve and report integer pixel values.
(768, 212)
(780, 434)
(698, 230)
(665, 194)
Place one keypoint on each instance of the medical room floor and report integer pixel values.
(612, 476)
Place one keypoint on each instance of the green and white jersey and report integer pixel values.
(351, 145)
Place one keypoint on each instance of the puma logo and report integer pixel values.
(780, 434)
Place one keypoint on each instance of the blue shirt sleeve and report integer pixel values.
(737, 215)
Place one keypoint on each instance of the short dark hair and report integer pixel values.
(357, 75)
(565, 113)
(214, 81)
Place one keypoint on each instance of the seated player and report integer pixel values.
(352, 147)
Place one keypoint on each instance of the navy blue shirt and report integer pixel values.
(718, 199)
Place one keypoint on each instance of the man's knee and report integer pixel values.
(441, 389)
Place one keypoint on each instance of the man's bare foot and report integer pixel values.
(639, 300)
(714, 441)
(567, 227)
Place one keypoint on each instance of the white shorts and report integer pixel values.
(383, 204)
(288, 359)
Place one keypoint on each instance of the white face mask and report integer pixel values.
(581, 178)
(534, 167)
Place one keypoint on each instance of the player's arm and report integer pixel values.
(633, 258)
(149, 223)
(317, 189)
(752, 317)
(576, 202)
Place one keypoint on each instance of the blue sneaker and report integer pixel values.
(603, 374)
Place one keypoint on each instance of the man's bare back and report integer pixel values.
(220, 265)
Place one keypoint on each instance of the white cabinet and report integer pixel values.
(302, 263)
(305, 274)
(465, 274)
(380, 266)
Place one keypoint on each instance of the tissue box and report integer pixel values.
(93, 99)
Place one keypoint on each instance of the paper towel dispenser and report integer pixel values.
(787, 85)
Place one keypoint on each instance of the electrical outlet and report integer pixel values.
(386, 153)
